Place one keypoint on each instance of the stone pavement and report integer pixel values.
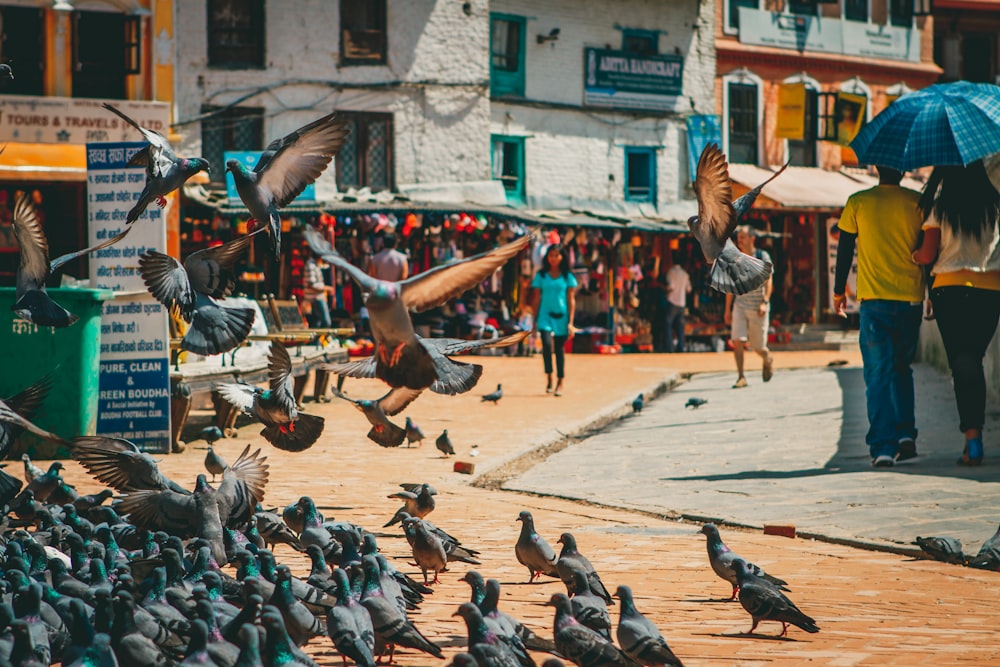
(874, 608)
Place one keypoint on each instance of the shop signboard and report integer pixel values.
(702, 130)
(134, 386)
(832, 242)
(625, 80)
(249, 159)
(71, 120)
(869, 40)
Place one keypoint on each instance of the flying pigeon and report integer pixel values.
(32, 302)
(378, 411)
(581, 644)
(16, 413)
(165, 172)
(695, 402)
(494, 396)
(639, 638)
(945, 549)
(637, 403)
(443, 443)
(721, 558)
(119, 464)
(988, 557)
(413, 433)
(733, 271)
(214, 463)
(284, 170)
(284, 426)
(402, 358)
(765, 601)
(533, 551)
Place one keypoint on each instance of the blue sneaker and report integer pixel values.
(884, 456)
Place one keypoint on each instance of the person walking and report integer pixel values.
(314, 292)
(748, 314)
(388, 263)
(884, 223)
(553, 302)
(678, 287)
(960, 207)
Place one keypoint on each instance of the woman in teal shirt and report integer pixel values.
(554, 304)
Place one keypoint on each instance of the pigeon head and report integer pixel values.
(525, 517)
(623, 593)
(463, 660)
(468, 611)
(237, 168)
(201, 485)
(195, 164)
(6, 72)
(710, 530)
(561, 602)
(474, 579)
(568, 540)
(740, 569)
(384, 293)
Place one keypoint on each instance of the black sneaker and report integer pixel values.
(907, 449)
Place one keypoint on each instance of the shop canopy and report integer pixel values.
(805, 187)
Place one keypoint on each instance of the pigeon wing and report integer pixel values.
(58, 262)
(397, 399)
(242, 487)
(164, 510)
(443, 283)
(26, 401)
(319, 244)
(714, 191)
(167, 280)
(279, 375)
(240, 395)
(211, 270)
(359, 368)
(11, 417)
(119, 464)
(291, 163)
(31, 239)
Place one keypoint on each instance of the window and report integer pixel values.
(236, 34)
(804, 7)
(21, 47)
(856, 10)
(365, 159)
(508, 165)
(106, 49)
(640, 174)
(506, 55)
(234, 129)
(901, 13)
(362, 32)
(978, 57)
(743, 122)
(732, 25)
(641, 42)
(802, 152)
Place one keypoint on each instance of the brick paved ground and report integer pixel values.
(874, 608)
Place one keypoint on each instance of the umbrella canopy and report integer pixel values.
(944, 124)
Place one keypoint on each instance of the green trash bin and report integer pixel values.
(71, 355)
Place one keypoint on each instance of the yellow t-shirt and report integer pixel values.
(887, 223)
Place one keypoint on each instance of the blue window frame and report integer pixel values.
(507, 157)
(641, 42)
(640, 174)
(506, 55)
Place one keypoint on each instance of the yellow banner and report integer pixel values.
(791, 111)
(851, 111)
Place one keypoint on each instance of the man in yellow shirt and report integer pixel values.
(885, 223)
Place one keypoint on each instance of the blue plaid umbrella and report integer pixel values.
(944, 124)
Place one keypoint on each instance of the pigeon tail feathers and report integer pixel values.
(735, 272)
(308, 428)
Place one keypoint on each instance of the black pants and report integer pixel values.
(675, 328)
(967, 318)
(559, 343)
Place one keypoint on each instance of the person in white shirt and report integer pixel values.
(678, 287)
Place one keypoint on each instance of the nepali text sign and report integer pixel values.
(628, 80)
(249, 160)
(65, 120)
(134, 390)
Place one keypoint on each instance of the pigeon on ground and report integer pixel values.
(639, 638)
(418, 501)
(765, 602)
(402, 358)
(274, 531)
(488, 649)
(988, 557)
(300, 623)
(428, 551)
(31, 301)
(570, 559)
(119, 464)
(413, 433)
(211, 434)
(443, 443)
(533, 551)
(31, 471)
(284, 426)
(16, 413)
(494, 396)
(349, 624)
(945, 549)
(637, 403)
(581, 644)
(695, 402)
(214, 463)
(279, 648)
(452, 547)
(284, 170)
(165, 172)
(392, 628)
(588, 607)
(721, 558)
(377, 412)
(732, 271)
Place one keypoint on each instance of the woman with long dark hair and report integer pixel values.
(554, 305)
(961, 208)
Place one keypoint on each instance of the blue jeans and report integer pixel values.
(320, 316)
(675, 326)
(889, 333)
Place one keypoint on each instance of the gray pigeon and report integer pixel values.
(494, 396)
(533, 551)
(274, 531)
(31, 471)
(765, 602)
(119, 464)
(284, 426)
(418, 500)
(16, 413)
(402, 358)
(589, 608)
(988, 557)
(733, 271)
(378, 411)
(284, 170)
(695, 402)
(31, 301)
(299, 621)
(392, 628)
(945, 549)
(350, 625)
(639, 638)
(214, 463)
(570, 559)
(637, 403)
(443, 444)
(413, 433)
(488, 649)
(721, 558)
(581, 644)
(165, 172)
(428, 551)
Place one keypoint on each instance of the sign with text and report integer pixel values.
(134, 389)
(249, 160)
(791, 111)
(627, 80)
(72, 120)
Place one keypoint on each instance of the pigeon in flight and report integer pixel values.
(119, 464)
(413, 433)
(284, 170)
(765, 602)
(637, 403)
(721, 558)
(494, 396)
(944, 549)
(443, 443)
(32, 302)
(24, 404)
(165, 172)
(284, 426)
(378, 411)
(733, 271)
(695, 402)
